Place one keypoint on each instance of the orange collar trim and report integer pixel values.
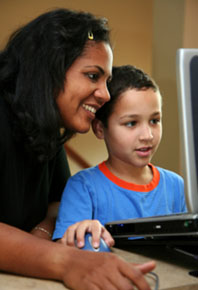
(128, 185)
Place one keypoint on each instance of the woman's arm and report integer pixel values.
(25, 254)
(45, 228)
(58, 179)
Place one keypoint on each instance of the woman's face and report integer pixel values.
(85, 89)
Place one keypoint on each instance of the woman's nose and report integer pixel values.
(102, 94)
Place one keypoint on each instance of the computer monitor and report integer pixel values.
(187, 87)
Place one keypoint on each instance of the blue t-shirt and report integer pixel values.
(95, 193)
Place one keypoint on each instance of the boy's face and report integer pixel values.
(134, 127)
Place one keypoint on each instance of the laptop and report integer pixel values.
(177, 228)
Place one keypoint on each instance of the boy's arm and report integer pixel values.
(25, 254)
(76, 205)
(76, 213)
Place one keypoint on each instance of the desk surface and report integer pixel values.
(173, 275)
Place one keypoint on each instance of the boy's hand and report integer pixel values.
(78, 230)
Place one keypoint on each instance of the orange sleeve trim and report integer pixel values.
(131, 186)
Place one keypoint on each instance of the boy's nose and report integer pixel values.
(146, 133)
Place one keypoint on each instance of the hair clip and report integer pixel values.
(90, 35)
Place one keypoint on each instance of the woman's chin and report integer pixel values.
(78, 127)
(83, 129)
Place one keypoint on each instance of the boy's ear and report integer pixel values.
(98, 128)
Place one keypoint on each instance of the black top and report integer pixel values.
(26, 185)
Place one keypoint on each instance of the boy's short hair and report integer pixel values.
(124, 78)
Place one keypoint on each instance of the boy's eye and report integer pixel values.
(155, 121)
(131, 124)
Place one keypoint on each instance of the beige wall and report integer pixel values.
(190, 37)
(145, 33)
(168, 19)
(175, 26)
(130, 22)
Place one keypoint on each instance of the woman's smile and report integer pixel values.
(89, 109)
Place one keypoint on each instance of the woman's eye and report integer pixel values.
(131, 124)
(93, 76)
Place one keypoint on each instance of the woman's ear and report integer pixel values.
(98, 128)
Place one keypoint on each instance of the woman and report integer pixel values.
(53, 76)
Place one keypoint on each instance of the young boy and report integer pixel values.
(126, 185)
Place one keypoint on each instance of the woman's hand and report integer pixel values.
(78, 230)
(24, 254)
(103, 271)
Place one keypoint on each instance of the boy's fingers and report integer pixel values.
(107, 238)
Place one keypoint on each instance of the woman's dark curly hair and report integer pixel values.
(32, 73)
(124, 78)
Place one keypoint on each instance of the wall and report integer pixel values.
(174, 26)
(168, 20)
(190, 38)
(131, 23)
